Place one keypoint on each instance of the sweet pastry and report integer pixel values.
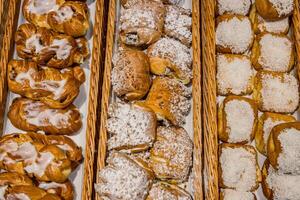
(131, 74)
(265, 124)
(169, 99)
(28, 192)
(283, 149)
(64, 190)
(229, 194)
(276, 92)
(238, 167)
(228, 66)
(131, 127)
(235, 7)
(237, 120)
(55, 88)
(83, 50)
(178, 24)
(234, 34)
(124, 178)
(274, 9)
(273, 52)
(142, 23)
(29, 115)
(170, 57)
(163, 190)
(171, 155)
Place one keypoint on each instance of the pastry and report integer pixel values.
(169, 99)
(283, 149)
(228, 66)
(29, 115)
(83, 50)
(229, 194)
(64, 190)
(238, 167)
(234, 34)
(235, 7)
(142, 23)
(265, 124)
(55, 88)
(131, 127)
(163, 190)
(276, 92)
(273, 52)
(171, 155)
(274, 9)
(178, 24)
(25, 192)
(237, 120)
(131, 74)
(170, 57)
(124, 178)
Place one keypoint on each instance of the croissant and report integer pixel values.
(163, 190)
(55, 88)
(29, 115)
(64, 190)
(29, 192)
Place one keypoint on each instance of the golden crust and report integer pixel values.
(64, 190)
(267, 10)
(164, 190)
(31, 192)
(12, 179)
(265, 186)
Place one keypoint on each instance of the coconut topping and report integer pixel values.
(229, 194)
(279, 26)
(283, 7)
(268, 125)
(240, 7)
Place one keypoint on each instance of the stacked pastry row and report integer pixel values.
(47, 77)
(150, 154)
(254, 72)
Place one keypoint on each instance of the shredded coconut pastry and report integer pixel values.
(130, 126)
(227, 79)
(240, 7)
(283, 7)
(235, 34)
(123, 179)
(269, 123)
(279, 94)
(275, 53)
(279, 26)
(240, 118)
(289, 158)
(238, 168)
(229, 194)
(162, 191)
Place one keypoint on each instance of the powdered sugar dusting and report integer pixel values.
(137, 18)
(161, 192)
(268, 125)
(240, 7)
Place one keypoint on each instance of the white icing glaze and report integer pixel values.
(64, 147)
(51, 185)
(2, 192)
(34, 43)
(62, 48)
(18, 196)
(41, 7)
(39, 166)
(64, 14)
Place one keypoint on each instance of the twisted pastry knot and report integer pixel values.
(69, 17)
(48, 48)
(45, 158)
(53, 87)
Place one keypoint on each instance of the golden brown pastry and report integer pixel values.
(265, 124)
(83, 50)
(171, 155)
(142, 23)
(273, 52)
(164, 190)
(237, 120)
(169, 57)
(238, 167)
(169, 99)
(29, 115)
(274, 9)
(283, 147)
(55, 88)
(23, 192)
(234, 34)
(131, 127)
(131, 74)
(124, 178)
(12, 179)
(276, 92)
(64, 190)
(240, 7)
(229, 194)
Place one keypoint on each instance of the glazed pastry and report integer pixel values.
(283, 149)
(274, 9)
(142, 24)
(227, 30)
(170, 57)
(55, 88)
(124, 178)
(276, 92)
(237, 7)
(131, 127)
(238, 167)
(228, 66)
(83, 50)
(21, 192)
(131, 74)
(178, 24)
(265, 124)
(169, 99)
(273, 52)
(64, 190)
(71, 18)
(29, 115)
(163, 190)
(229, 194)
(237, 120)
